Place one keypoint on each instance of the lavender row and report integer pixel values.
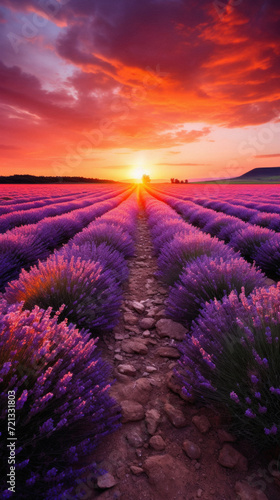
(63, 408)
(232, 358)
(256, 244)
(50, 200)
(33, 215)
(61, 383)
(271, 206)
(23, 247)
(232, 355)
(250, 215)
(7, 201)
(198, 268)
(84, 276)
(270, 220)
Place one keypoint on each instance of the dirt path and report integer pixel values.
(146, 459)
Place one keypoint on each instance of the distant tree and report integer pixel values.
(176, 181)
(182, 182)
(172, 180)
(186, 181)
(146, 179)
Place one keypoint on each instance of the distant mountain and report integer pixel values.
(34, 179)
(261, 174)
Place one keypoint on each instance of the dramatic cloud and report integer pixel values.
(136, 74)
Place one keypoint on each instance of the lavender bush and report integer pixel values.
(110, 259)
(207, 278)
(267, 257)
(249, 240)
(35, 241)
(184, 249)
(91, 295)
(112, 235)
(233, 358)
(63, 409)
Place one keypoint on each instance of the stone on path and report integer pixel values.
(147, 323)
(168, 476)
(175, 416)
(130, 319)
(131, 411)
(192, 450)
(140, 308)
(246, 492)
(202, 423)
(139, 390)
(232, 459)
(168, 352)
(157, 443)
(106, 481)
(134, 346)
(169, 328)
(152, 420)
(127, 370)
(134, 438)
(136, 470)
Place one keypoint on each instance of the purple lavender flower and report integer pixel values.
(208, 278)
(70, 359)
(250, 414)
(91, 295)
(234, 397)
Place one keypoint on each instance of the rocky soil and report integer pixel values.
(167, 448)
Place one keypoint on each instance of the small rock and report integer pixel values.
(246, 492)
(169, 328)
(147, 323)
(132, 330)
(162, 290)
(106, 481)
(202, 423)
(175, 416)
(140, 308)
(225, 437)
(119, 336)
(134, 439)
(131, 411)
(168, 352)
(151, 369)
(192, 450)
(127, 370)
(146, 333)
(152, 420)
(130, 319)
(121, 472)
(157, 443)
(137, 390)
(168, 476)
(232, 459)
(134, 346)
(118, 357)
(136, 470)
(199, 493)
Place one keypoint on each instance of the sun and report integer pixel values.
(138, 173)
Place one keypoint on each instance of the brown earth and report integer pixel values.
(167, 448)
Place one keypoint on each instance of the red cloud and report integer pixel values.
(145, 69)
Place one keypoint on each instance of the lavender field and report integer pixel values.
(69, 257)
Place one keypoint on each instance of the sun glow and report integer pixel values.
(138, 173)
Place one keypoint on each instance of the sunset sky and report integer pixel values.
(117, 88)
